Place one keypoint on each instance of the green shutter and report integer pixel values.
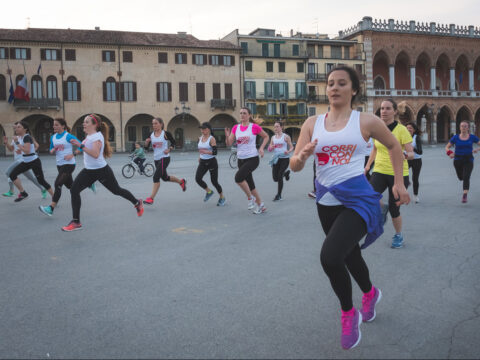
(286, 90)
(276, 92)
(254, 89)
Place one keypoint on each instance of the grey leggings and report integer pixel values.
(28, 174)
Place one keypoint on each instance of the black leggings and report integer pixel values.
(87, 177)
(245, 170)
(464, 170)
(277, 172)
(161, 170)
(139, 162)
(368, 175)
(204, 166)
(380, 182)
(64, 177)
(416, 165)
(36, 166)
(341, 255)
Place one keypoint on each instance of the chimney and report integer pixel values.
(182, 34)
(97, 28)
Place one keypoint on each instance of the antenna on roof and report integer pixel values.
(27, 23)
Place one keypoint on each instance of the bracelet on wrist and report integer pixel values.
(449, 152)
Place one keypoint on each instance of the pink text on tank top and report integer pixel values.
(340, 154)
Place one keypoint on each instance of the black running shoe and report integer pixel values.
(287, 175)
(21, 196)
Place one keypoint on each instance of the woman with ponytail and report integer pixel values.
(95, 149)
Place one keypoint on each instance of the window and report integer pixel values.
(200, 92)
(252, 107)
(199, 59)
(300, 90)
(359, 69)
(346, 52)
(295, 50)
(283, 109)
(17, 79)
(281, 66)
(269, 66)
(301, 108)
(72, 89)
(70, 55)
(180, 58)
(271, 109)
(50, 54)
(51, 87)
(250, 91)
(37, 91)
(163, 58)
(183, 91)
(110, 90)
(127, 56)
(311, 51)
(128, 91)
(132, 133)
(329, 67)
(300, 67)
(244, 46)
(265, 50)
(336, 52)
(312, 111)
(248, 65)
(276, 50)
(228, 60)
(108, 56)
(3, 53)
(228, 91)
(164, 91)
(282, 90)
(269, 90)
(214, 60)
(3, 88)
(20, 53)
(216, 91)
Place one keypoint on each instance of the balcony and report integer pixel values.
(286, 119)
(316, 77)
(317, 99)
(223, 104)
(424, 93)
(38, 104)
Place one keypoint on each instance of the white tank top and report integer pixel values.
(89, 161)
(159, 144)
(62, 147)
(280, 146)
(246, 147)
(205, 146)
(369, 147)
(15, 149)
(31, 155)
(339, 155)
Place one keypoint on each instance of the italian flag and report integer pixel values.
(21, 91)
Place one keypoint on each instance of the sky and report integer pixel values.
(209, 19)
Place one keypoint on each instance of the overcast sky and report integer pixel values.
(212, 19)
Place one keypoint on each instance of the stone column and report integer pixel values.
(452, 79)
(412, 78)
(391, 77)
(453, 127)
(470, 80)
(433, 78)
(434, 130)
(423, 128)
(472, 127)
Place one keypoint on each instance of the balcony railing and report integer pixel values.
(223, 104)
(286, 119)
(426, 93)
(317, 99)
(316, 77)
(40, 104)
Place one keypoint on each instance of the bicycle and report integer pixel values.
(128, 170)
(232, 160)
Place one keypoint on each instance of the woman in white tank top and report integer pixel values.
(347, 205)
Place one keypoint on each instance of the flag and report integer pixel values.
(21, 91)
(460, 78)
(11, 97)
(39, 69)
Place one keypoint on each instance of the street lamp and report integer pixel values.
(183, 111)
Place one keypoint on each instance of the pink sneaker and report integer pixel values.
(148, 201)
(368, 305)
(351, 334)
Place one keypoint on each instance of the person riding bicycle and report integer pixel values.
(139, 156)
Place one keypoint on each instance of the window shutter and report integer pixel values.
(286, 90)
(228, 91)
(65, 90)
(3, 92)
(42, 54)
(216, 91)
(134, 90)
(59, 55)
(210, 59)
(104, 91)
(169, 86)
(158, 91)
(113, 56)
(204, 59)
(121, 86)
(117, 91)
(232, 59)
(79, 91)
(194, 60)
(220, 59)
(184, 59)
(29, 54)
(104, 56)
(276, 92)
(12, 53)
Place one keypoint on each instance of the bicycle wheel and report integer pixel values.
(148, 170)
(232, 161)
(128, 171)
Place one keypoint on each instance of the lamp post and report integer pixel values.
(183, 111)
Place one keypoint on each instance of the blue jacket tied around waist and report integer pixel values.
(357, 194)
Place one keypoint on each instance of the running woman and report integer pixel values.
(416, 162)
(95, 149)
(245, 134)
(383, 175)
(17, 159)
(463, 155)
(30, 160)
(282, 146)
(61, 146)
(347, 205)
(207, 147)
(161, 155)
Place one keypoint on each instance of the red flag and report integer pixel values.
(21, 91)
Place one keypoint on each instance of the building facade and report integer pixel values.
(434, 68)
(127, 78)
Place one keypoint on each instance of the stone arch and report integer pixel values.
(407, 116)
(476, 74)
(461, 73)
(442, 70)
(444, 123)
(219, 122)
(184, 128)
(464, 113)
(77, 129)
(422, 71)
(477, 122)
(381, 62)
(41, 127)
(137, 128)
(425, 127)
(293, 132)
(379, 83)
(402, 70)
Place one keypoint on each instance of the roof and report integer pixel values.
(110, 37)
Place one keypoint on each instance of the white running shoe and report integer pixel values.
(417, 199)
(251, 203)
(260, 209)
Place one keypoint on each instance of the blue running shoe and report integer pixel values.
(93, 188)
(44, 194)
(397, 241)
(47, 210)
(221, 202)
(208, 195)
